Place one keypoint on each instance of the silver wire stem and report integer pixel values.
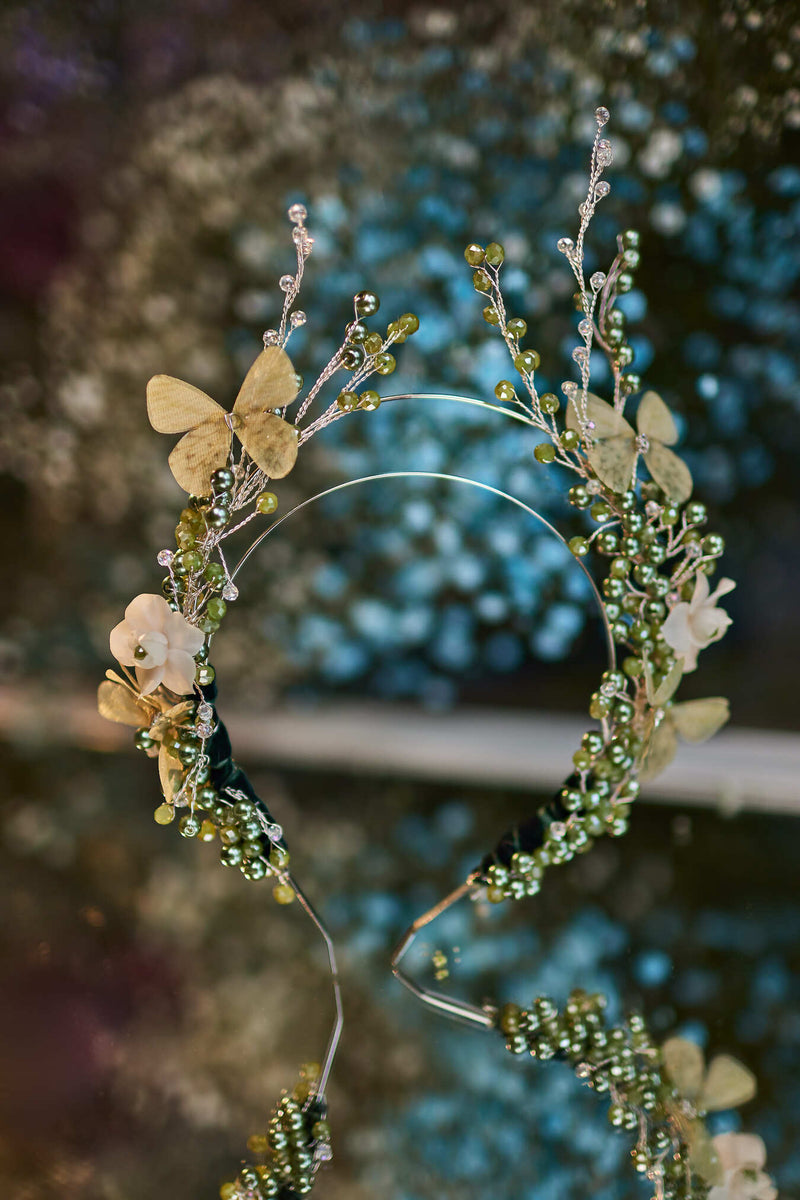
(338, 1022)
(458, 1010)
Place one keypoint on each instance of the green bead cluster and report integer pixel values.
(297, 1142)
(623, 1062)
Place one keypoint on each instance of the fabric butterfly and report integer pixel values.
(118, 700)
(177, 407)
(693, 720)
(616, 445)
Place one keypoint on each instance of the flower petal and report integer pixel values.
(181, 634)
(179, 672)
(723, 587)
(740, 1150)
(157, 648)
(147, 612)
(677, 630)
(122, 643)
(149, 678)
(701, 590)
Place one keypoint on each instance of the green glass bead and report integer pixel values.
(517, 327)
(395, 332)
(254, 868)
(625, 282)
(142, 740)
(608, 541)
(474, 254)
(630, 239)
(656, 553)
(385, 363)
(527, 361)
(631, 259)
(409, 323)
(279, 857)
(619, 632)
(592, 741)
(266, 503)
(613, 589)
(670, 514)
(601, 511)
(619, 568)
(633, 522)
(216, 608)
(356, 333)
(495, 254)
(230, 856)
(630, 546)
(369, 400)
(598, 708)
(578, 545)
(713, 544)
(481, 282)
(218, 516)
(366, 303)
(222, 480)
(373, 343)
(490, 315)
(205, 674)
(624, 711)
(504, 390)
(185, 538)
(353, 357)
(631, 383)
(570, 439)
(346, 401)
(207, 624)
(549, 403)
(581, 760)
(544, 452)
(214, 572)
(189, 825)
(644, 573)
(229, 835)
(579, 496)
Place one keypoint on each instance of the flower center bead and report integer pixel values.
(151, 649)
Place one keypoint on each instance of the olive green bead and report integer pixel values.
(490, 315)
(353, 357)
(527, 361)
(600, 511)
(474, 254)
(346, 401)
(613, 589)
(670, 514)
(578, 545)
(373, 343)
(714, 544)
(517, 327)
(504, 390)
(608, 541)
(189, 825)
(222, 480)
(385, 363)
(205, 674)
(217, 516)
(579, 497)
(409, 323)
(369, 400)
(696, 513)
(644, 573)
(544, 452)
(207, 624)
(495, 254)
(549, 403)
(481, 282)
(213, 572)
(216, 608)
(230, 856)
(570, 440)
(266, 503)
(229, 835)
(142, 740)
(630, 546)
(619, 568)
(366, 303)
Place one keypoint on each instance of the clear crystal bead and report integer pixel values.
(565, 245)
(601, 115)
(297, 214)
(597, 280)
(286, 283)
(652, 508)
(164, 558)
(204, 711)
(298, 318)
(558, 829)
(271, 337)
(585, 328)
(204, 730)
(603, 188)
(593, 485)
(230, 591)
(605, 154)
(579, 354)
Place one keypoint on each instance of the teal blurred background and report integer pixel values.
(148, 159)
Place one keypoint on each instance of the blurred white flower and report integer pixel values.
(159, 643)
(694, 624)
(742, 1157)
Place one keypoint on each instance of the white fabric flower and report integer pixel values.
(159, 643)
(694, 624)
(742, 1157)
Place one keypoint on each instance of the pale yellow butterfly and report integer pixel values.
(176, 407)
(616, 445)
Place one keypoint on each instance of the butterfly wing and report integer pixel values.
(658, 696)
(659, 751)
(200, 452)
(685, 1065)
(727, 1085)
(270, 441)
(654, 419)
(699, 720)
(116, 702)
(670, 472)
(703, 1157)
(174, 407)
(613, 453)
(170, 772)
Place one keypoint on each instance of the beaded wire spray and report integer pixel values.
(656, 605)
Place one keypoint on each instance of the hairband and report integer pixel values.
(658, 610)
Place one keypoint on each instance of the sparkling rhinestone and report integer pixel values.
(602, 189)
(597, 280)
(585, 328)
(204, 730)
(286, 283)
(298, 318)
(297, 214)
(601, 115)
(565, 245)
(204, 711)
(593, 485)
(164, 557)
(271, 337)
(230, 591)
(652, 508)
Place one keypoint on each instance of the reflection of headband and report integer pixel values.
(657, 607)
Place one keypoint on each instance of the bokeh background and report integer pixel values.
(155, 1005)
